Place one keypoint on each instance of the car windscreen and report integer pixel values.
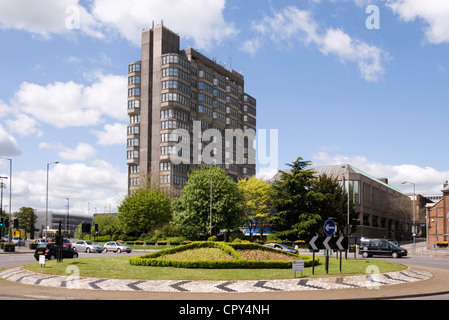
(393, 244)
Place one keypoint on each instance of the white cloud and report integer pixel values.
(82, 151)
(113, 134)
(100, 184)
(434, 13)
(69, 104)
(200, 20)
(293, 24)
(427, 180)
(8, 145)
(47, 17)
(23, 125)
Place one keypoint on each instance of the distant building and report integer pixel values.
(383, 211)
(69, 222)
(438, 216)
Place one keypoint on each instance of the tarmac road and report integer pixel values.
(438, 284)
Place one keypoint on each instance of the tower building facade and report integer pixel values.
(185, 111)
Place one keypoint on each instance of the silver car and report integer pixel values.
(116, 246)
(87, 246)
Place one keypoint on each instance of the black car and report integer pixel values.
(50, 251)
(371, 247)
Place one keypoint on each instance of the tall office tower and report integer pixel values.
(185, 111)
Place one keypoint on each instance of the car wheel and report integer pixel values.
(119, 251)
(365, 255)
(75, 255)
(395, 255)
(75, 249)
(52, 257)
(105, 250)
(88, 250)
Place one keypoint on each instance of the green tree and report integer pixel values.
(256, 202)
(192, 209)
(335, 201)
(107, 224)
(27, 219)
(295, 202)
(144, 210)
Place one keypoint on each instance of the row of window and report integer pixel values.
(133, 92)
(171, 124)
(133, 130)
(134, 154)
(172, 137)
(173, 84)
(133, 142)
(134, 181)
(165, 179)
(175, 97)
(176, 59)
(175, 150)
(134, 80)
(166, 166)
(176, 73)
(134, 119)
(170, 113)
(133, 104)
(135, 67)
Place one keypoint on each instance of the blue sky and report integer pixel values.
(335, 89)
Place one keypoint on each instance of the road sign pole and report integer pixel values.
(340, 261)
(313, 262)
(327, 262)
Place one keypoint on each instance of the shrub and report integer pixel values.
(154, 259)
(213, 238)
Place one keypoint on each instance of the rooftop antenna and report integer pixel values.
(230, 55)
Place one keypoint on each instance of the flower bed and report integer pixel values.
(244, 255)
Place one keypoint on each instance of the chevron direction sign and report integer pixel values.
(330, 243)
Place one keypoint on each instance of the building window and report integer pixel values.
(135, 67)
(133, 92)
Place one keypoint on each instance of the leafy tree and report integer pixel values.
(335, 201)
(192, 209)
(295, 202)
(144, 210)
(107, 224)
(256, 202)
(27, 219)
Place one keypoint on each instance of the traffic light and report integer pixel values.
(2, 221)
(16, 223)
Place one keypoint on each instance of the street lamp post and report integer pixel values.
(210, 205)
(10, 192)
(67, 225)
(46, 199)
(414, 210)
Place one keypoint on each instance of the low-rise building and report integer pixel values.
(438, 216)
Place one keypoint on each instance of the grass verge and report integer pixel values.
(119, 268)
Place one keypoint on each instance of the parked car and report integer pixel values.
(50, 251)
(67, 242)
(87, 246)
(370, 247)
(18, 241)
(282, 247)
(116, 246)
(42, 240)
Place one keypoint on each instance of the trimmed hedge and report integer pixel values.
(153, 259)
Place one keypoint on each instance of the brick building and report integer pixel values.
(438, 226)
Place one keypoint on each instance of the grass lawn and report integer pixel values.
(119, 268)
